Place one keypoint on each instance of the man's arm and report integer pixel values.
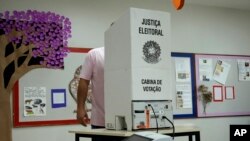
(82, 93)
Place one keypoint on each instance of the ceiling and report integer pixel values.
(235, 4)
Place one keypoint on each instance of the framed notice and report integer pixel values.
(229, 92)
(217, 93)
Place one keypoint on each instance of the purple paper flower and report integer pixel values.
(47, 31)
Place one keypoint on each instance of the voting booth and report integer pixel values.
(137, 71)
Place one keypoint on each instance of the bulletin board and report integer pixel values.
(41, 97)
(183, 85)
(227, 80)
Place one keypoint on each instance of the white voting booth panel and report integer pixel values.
(137, 66)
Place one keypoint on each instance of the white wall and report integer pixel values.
(195, 29)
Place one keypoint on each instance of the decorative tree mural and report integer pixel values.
(28, 40)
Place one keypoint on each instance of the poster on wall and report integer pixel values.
(221, 71)
(183, 96)
(244, 70)
(34, 101)
(205, 69)
(182, 66)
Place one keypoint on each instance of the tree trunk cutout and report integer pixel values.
(28, 40)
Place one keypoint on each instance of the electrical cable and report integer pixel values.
(164, 117)
(155, 117)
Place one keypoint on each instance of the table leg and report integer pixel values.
(190, 138)
(197, 136)
(77, 137)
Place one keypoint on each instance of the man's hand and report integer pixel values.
(82, 117)
(82, 93)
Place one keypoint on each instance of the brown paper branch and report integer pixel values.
(205, 97)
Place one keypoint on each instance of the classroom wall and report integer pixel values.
(195, 29)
